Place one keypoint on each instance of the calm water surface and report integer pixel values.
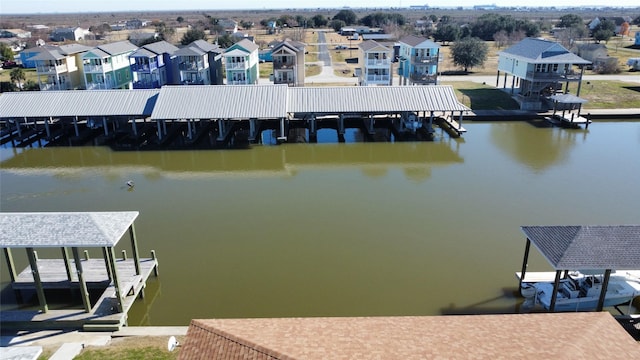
(341, 229)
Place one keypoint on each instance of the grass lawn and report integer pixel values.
(610, 94)
(266, 69)
(312, 69)
(133, 348)
(29, 74)
(482, 97)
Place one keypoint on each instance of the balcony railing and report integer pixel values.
(195, 65)
(423, 78)
(553, 76)
(144, 67)
(146, 84)
(237, 65)
(52, 86)
(283, 64)
(424, 59)
(98, 86)
(97, 68)
(378, 62)
(51, 69)
(193, 82)
(238, 82)
(378, 78)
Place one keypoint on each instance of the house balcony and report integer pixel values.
(243, 65)
(52, 86)
(191, 66)
(378, 62)
(423, 78)
(427, 60)
(51, 69)
(98, 86)
(146, 84)
(283, 65)
(378, 79)
(144, 68)
(553, 76)
(98, 68)
(238, 82)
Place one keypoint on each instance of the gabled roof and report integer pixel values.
(64, 229)
(96, 53)
(221, 102)
(47, 52)
(418, 42)
(371, 45)
(293, 46)
(539, 51)
(206, 46)
(117, 48)
(69, 49)
(596, 247)
(142, 52)
(161, 47)
(245, 44)
(189, 51)
(520, 336)
(77, 103)
(236, 52)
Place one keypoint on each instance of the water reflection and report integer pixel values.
(537, 147)
(374, 160)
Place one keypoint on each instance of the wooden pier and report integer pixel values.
(98, 293)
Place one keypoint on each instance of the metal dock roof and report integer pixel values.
(77, 103)
(373, 99)
(221, 102)
(64, 229)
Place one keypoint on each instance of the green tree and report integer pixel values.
(445, 19)
(31, 85)
(433, 18)
(17, 77)
(100, 30)
(348, 16)
(246, 24)
(192, 35)
(604, 30)
(319, 21)
(636, 21)
(336, 25)
(570, 20)
(447, 33)
(469, 52)
(180, 19)
(5, 51)
(225, 41)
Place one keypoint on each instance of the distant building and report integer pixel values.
(71, 34)
(139, 37)
(288, 63)
(230, 26)
(107, 66)
(134, 24)
(418, 61)
(15, 33)
(376, 64)
(590, 51)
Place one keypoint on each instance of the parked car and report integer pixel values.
(341, 47)
(9, 64)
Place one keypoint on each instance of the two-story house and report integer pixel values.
(418, 61)
(199, 63)
(376, 64)
(60, 67)
(107, 66)
(151, 65)
(288, 63)
(538, 69)
(241, 63)
(72, 34)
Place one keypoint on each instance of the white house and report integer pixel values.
(376, 62)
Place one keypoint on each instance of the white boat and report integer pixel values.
(581, 292)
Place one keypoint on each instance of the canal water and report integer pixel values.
(355, 229)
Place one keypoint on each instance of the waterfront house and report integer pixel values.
(107, 66)
(60, 67)
(418, 61)
(229, 26)
(241, 63)
(538, 69)
(376, 65)
(151, 65)
(199, 63)
(288, 63)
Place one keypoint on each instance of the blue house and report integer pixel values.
(418, 61)
(151, 65)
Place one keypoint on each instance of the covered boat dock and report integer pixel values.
(107, 286)
(210, 116)
(584, 248)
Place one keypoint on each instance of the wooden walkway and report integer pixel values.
(452, 126)
(103, 315)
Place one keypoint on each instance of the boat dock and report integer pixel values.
(73, 292)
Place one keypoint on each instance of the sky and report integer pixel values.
(74, 6)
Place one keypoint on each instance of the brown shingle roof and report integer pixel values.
(514, 336)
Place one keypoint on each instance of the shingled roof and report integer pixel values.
(596, 247)
(513, 336)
